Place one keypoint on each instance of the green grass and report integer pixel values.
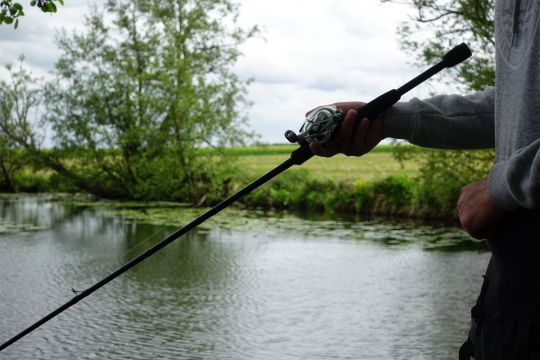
(376, 165)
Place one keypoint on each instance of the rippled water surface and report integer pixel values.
(247, 285)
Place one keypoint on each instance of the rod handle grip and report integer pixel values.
(375, 107)
(456, 55)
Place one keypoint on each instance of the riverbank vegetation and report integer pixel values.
(392, 180)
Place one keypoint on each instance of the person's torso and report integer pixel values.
(517, 109)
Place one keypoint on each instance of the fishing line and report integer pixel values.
(322, 127)
(162, 228)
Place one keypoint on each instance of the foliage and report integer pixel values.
(18, 96)
(299, 190)
(156, 84)
(296, 189)
(10, 11)
(389, 196)
(442, 24)
(393, 193)
(444, 173)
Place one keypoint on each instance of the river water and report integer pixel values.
(248, 285)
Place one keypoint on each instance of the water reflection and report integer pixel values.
(250, 284)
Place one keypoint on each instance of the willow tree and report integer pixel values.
(435, 27)
(142, 89)
(20, 94)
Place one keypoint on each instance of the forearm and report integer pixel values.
(445, 122)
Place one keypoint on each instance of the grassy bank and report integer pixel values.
(394, 195)
(375, 183)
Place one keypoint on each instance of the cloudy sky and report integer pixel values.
(310, 52)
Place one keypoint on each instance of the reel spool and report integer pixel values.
(320, 126)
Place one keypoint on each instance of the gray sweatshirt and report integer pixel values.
(506, 116)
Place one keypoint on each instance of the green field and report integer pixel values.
(378, 164)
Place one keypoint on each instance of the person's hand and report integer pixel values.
(368, 134)
(477, 211)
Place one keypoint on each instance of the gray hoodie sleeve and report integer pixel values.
(514, 183)
(445, 122)
(467, 122)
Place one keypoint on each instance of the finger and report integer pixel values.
(348, 105)
(360, 137)
(462, 210)
(345, 132)
(324, 151)
(459, 203)
(462, 198)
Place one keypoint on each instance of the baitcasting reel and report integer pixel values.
(320, 126)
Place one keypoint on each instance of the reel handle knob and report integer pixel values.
(291, 136)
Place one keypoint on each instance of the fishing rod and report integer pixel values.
(321, 126)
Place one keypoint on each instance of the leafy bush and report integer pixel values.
(444, 173)
(392, 194)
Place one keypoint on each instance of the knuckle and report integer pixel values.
(465, 221)
(471, 228)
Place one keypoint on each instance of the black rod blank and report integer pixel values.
(453, 57)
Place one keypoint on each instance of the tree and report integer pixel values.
(11, 11)
(438, 26)
(136, 98)
(18, 96)
(21, 138)
(442, 24)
